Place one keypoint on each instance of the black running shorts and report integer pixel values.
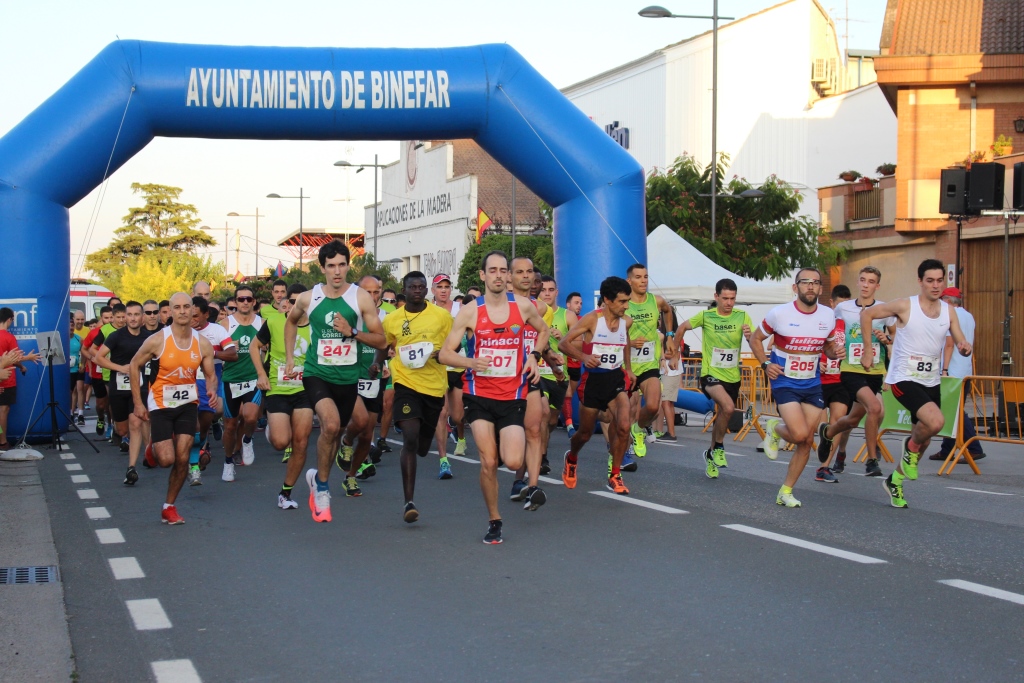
(343, 395)
(598, 389)
(499, 413)
(167, 423)
(914, 396)
(287, 403)
(412, 405)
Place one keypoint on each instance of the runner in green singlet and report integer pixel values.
(241, 397)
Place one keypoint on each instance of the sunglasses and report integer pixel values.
(244, 299)
(231, 309)
(387, 301)
(809, 283)
(151, 312)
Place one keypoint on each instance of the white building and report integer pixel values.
(783, 104)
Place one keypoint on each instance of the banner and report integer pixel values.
(482, 223)
(897, 418)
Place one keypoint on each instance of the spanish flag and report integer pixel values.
(482, 223)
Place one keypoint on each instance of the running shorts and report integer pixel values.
(499, 413)
(167, 423)
(233, 404)
(836, 393)
(287, 403)
(412, 405)
(809, 395)
(343, 395)
(914, 396)
(455, 380)
(554, 391)
(598, 389)
(731, 388)
(854, 381)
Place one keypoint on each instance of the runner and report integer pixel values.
(607, 375)
(553, 380)
(165, 313)
(241, 397)
(93, 371)
(441, 289)
(837, 399)
(76, 366)
(649, 312)
(279, 291)
(723, 330)
(171, 407)
(117, 321)
(499, 370)
(863, 386)
(202, 288)
(923, 321)
(802, 330)
(416, 332)
(289, 412)
(224, 350)
(337, 312)
(573, 305)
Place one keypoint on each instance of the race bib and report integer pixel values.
(725, 359)
(801, 367)
(857, 350)
(416, 355)
(335, 352)
(502, 362)
(528, 344)
(368, 388)
(924, 368)
(830, 367)
(609, 355)
(241, 388)
(645, 354)
(122, 382)
(283, 381)
(179, 394)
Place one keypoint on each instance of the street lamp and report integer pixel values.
(209, 229)
(657, 12)
(301, 197)
(257, 216)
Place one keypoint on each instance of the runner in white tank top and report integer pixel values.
(914, 372)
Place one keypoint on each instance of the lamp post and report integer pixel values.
(209, 229)
(301, 197)
(657, 12)
(257, 216)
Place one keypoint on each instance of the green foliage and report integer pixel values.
(539, 249)
(758, 238)
(365, 264)
(159, 274)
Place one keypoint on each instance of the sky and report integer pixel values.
(44, 43)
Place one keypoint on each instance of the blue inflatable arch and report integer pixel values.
(133, 91)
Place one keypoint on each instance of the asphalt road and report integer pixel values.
(588, 588)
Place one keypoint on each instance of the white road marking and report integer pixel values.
(106, 536)
(67, 456)
(79, 478)
(742, 455)
(641, 503)
(985, 590)
(73, 467)
(460, 458)
(88, 494)
(175, 671)
(780, 462)
(991, 493)
(800, 543)
(97, 513)
(549, 480)
(147, 614)
(126, 568)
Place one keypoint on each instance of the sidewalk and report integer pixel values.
(33, 625)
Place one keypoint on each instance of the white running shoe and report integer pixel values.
(771, 442)
(229, 472)
(286, 503)
(248, 453)
(319, 501)
(787, 499)
(195, 478)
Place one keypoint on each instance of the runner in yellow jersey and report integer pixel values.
(554, 382)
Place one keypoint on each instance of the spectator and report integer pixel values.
(9, 387)
(955, 365)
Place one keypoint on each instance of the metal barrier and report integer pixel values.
(997, 415)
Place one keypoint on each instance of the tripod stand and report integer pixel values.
(53, 348)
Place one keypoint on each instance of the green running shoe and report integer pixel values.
(895, 492)
(639, 440)
(718, 455)
(771, 442)
(351, 487)
(710, 470)
(344, 457)
(287, 454)
(787, 499)
(909, 461)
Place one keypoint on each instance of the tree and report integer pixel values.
(539, 249)
(366, 264)
(758, 238)
(163, 226)
(157, 275)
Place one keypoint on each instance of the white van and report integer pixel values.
(89, 298)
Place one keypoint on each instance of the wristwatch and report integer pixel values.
(764, 365)
(536, 355)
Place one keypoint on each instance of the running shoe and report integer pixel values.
(205, 456)
(545, 466)
(639, 440)
(460, 447)
(248, 452)
(825, 474)
(261, 424)
(374, 454)
(100, 427)
(824, 443)
(718, 456)
(287, 454)
(570, 430)
(383, 445)
(237, 459)
(535, 497)
(124, 444)
(839, 466)
(568, 472)
(410, 514)
(344, 457)
(909, 461)
(80, 420)
(786, 499)
(148, 459)
(446, 470)
(615, 485)
(109, 432)
(170, 516)
(518, 491)
(710, 468)
(218, 430)
(649, 434)
(319, 501)
(229, 472)
(771, 442)
(286, 503)
(351, 487)
(493, 536)
(895, 492)
(366, 470)
(130, 476)
(628, 462)
(194, 476)
(667, 438)
(871, 468)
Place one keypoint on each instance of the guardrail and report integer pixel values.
(997, 415)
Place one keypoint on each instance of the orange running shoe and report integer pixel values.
(568, 472)
(319, 501)
(170, 516)
(615, 485)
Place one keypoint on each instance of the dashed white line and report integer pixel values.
(79, 478)
(106, 536)
(800, 543)
(460, 458)
(148, 614)
(985, 590)
(67, 456)
(126, 568)
(97, 513)
(641, 503)
(88, 494)
(991, 493)
(175, 671)
(73, 467)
